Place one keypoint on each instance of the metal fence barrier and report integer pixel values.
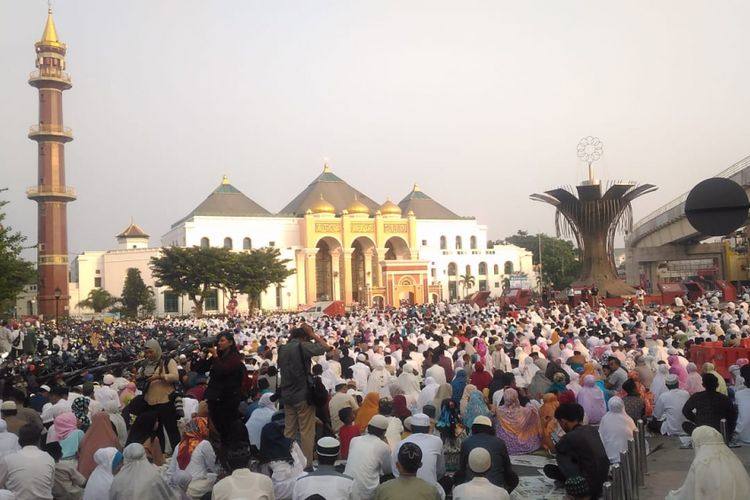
(629, 475)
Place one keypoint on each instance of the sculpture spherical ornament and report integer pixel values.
(716, 206)
(590, 149)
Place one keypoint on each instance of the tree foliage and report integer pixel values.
(560, 263)
(467, 282)
(192, 271)
(195, 271)
(15, 272)
(136, 296)
(98, 300)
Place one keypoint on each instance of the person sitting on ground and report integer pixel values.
(616, 429)
(347, 431)
(518, 426)
(325, 481)
(635, 407)
(580, 452)
(708, 407)
(108, 462)
(369, 459)
(668, 417)
(742, 399)
(68, 481)
(479, 488)
(501, 471)
(29, 473)
(716, 472)
(433, 462)
(407, 484)
(242, 483)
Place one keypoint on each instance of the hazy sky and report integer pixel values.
(480, 102)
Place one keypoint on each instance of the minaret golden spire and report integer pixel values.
(49, 36)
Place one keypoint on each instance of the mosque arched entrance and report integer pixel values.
(328, 269)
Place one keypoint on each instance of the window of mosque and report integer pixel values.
(170, 302)
(211, 300)
(508, 267)
(205, 243)
(459, 243)
(452, 269)
(228, 243)
(482, 268)
(97, 282)
(278, 296)
(482, 285)
(468, 269)
(496, 269)
(424, 243)
(443, 243)
(247, 244)
(473, 242)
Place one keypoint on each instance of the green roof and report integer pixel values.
(226, 201)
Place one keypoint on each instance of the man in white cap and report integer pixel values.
(479, 488)
(433, 462)
(668, 408)
(369, 459)
(106, 393)
(483, 436)
(325, 481)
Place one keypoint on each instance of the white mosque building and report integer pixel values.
(341, 244)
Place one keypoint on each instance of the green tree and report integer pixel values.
(98, 300)
(193, 271)
(135, 294)
(15, 272)
(467, 282)
(253, 272)
(560, 263)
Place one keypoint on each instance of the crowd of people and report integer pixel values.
(415, 402)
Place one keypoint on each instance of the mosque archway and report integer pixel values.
(363, 256)
(328, 269)
(397, 249)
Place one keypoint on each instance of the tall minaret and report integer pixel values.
(51, 193)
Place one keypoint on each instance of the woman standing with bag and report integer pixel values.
(160, 375)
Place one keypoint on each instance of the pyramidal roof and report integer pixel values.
(226, 201)
(425, 207)
(334, 190)
(132, 231)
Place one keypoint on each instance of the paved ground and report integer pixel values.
(667, 465)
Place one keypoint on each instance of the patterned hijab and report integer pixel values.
(195, 432)
(80, 409)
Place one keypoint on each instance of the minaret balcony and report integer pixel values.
(39, 77)
(63, 193)
(48, 132)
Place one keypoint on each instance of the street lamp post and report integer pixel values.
(58, 294)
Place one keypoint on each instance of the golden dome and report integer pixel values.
(322, 206)
(357, 207)
(390, 208)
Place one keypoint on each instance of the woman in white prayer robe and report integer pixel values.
(139, 479)
(716, 472)
(615, 429)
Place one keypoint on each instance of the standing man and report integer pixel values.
(295, 358)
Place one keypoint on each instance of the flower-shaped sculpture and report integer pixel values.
(593, 220)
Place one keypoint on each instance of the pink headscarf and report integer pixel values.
(592, 399)
(676, 368)
(65, 423)
(694, 380)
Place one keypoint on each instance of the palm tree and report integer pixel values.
(98, 300)
(467, 281)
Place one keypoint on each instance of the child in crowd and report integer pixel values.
(68, 481)
(347, 431)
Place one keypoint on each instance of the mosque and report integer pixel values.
(341, 244)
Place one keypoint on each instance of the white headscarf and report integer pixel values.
(428, 393)
(100, 480)
(615, 429)
(8, 440)
(659, 384)
(260, 417)
(138, 479)
(715, 473)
